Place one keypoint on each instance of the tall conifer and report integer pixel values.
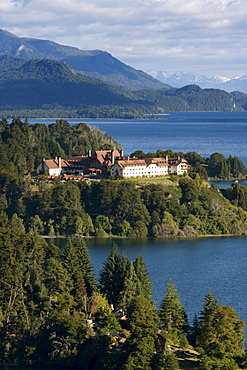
(112, 276)
(77, 262)
(140, 346)
(172, 312)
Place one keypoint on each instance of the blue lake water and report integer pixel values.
(195, 266)
(218, 264)
(202, 132)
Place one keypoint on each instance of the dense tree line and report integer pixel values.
(53, 310)
(85, 111)
(108, 207)
(22, 146)
(121, 208)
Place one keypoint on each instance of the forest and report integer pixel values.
(185, 207)
(54, 311)
(52, 88)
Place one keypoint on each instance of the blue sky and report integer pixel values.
(201, 36)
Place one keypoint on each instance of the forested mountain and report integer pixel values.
(53, 82)
(95, 63)
(240, 98)
(45, 73)
(51, 85)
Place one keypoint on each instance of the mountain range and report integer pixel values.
(93, 63)
(180, 79)
(43, 75)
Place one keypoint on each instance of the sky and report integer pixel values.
(201, 36)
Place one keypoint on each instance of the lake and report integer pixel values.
(195, 266)
(218, 264)
(201, 132)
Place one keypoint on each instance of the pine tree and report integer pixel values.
(78, 264)
(221, 332)
(171, 362)
(140, 346)
(145, 285)
(172, 312)
(210, 302)
(112, 276)
(130, 288)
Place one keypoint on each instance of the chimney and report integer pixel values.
(89, 153)
(121, 153)
(166, 157)
(59, 162)
(112, 157)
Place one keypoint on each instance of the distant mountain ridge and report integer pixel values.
(44, 83)
(43, 78)
(93, 63)
(34, 83)
(180, 79)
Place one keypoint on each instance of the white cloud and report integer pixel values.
(208, 35)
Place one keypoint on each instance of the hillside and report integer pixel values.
(52, 82)
(240, 98)
(96, 63)
(192, 98)
(45, 85)
(59, 80)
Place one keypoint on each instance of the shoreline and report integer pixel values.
(198, 236)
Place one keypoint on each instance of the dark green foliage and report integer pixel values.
(172, 313)
(220, 331)
(171, 362)
(45, 315)
(237, 194)
(23, 146)
(121, 280)
(218, 166)
(112, 276)
(77, 262)
(107, 207)
(189, 188)
(144, 281)
(193, 158)
(236, 166)
(140, 346)
(37, 305)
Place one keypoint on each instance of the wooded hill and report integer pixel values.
(40, 78)
(52, 309)
(43, 85)
(111, 206)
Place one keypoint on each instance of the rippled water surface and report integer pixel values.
(202, 132)
(195, 266)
